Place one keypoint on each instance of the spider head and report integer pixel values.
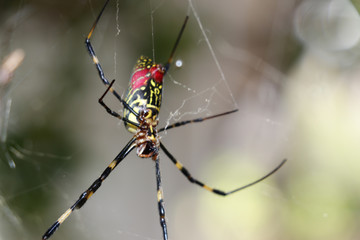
(147, 143)
(146, 136)
(147, 149)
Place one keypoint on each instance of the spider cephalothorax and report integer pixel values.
(147, 140)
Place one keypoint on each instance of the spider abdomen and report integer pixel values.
(145, 90)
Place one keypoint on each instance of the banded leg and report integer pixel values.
(97, 63)
(216, 191)
(178, 124)
(111, 112)
(91, 190)
(160, 199)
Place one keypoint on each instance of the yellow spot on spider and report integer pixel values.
(95, 60)
(178, 165)
(159, 195)
(112, 164)
(64, 216)
(208, 188)
(90, 194)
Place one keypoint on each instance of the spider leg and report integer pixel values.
(181, 123)
(171, 58)
(97, 63)
(111, 112)
(216, 191)
(160, 197)
(91, 190)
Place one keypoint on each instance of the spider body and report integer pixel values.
(147, 140)
(144, 92)
(141, 110)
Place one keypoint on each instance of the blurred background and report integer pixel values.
(290, 67)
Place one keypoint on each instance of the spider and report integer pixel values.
(140, 117)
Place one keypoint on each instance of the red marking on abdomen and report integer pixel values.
(139, 79)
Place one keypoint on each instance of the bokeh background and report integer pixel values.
(290, 67)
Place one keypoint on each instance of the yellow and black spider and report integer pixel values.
(141, 109)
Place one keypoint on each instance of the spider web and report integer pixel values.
(60, 163)
(210, 92)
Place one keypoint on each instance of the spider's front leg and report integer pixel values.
(91, 190)
(160, 199)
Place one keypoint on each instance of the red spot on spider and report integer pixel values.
(157, 73)
(139, 78)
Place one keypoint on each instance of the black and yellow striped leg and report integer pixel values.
(182, 123)
(160, 198)
(111, 112)
(92, 52)
(216, 191)
(98, 65)
(91, 190)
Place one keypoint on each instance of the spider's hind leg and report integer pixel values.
(114, 113)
